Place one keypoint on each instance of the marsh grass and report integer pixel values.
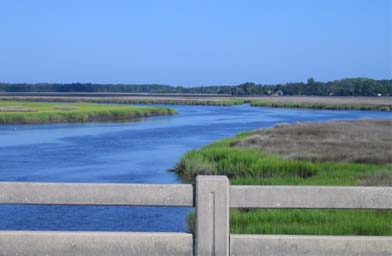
(276, 103)
(247, 163)
(334, 100)
(311, 222)
(132, 100)
(73, 112)
(381, 178)
(313, 102)
(361, 141)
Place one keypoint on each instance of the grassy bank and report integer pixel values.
(250, 159)
(22, 112)
(310, 102)
(131, 100)
(315, 105)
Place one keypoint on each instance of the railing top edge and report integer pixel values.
(332, 237)
(191, 185)
(93, 233)
(93, 184)
(310, 187)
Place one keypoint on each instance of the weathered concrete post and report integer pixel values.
(212, 216)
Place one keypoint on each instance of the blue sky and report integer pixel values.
(194, 42)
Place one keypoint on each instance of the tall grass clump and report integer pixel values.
(241, 163)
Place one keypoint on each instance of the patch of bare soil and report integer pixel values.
(16, 109)
(66, 108)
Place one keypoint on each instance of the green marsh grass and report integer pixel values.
(248, 166)
(132, 100)
(39, 112)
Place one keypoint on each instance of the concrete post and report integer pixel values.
(212, 216)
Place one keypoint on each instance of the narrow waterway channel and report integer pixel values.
(136, 152)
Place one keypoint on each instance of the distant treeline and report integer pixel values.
(344, 87)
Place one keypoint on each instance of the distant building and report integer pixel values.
(277, 93)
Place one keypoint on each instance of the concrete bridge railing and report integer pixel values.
(213, 197)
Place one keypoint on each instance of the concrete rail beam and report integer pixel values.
(30, 243)
(311, 197)
(96, 194)
(282, 245)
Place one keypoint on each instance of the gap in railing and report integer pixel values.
(346, 222)
(342, 222)
(93, 218)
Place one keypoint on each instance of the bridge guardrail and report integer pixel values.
(212, 196)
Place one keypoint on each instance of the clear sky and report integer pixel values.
(189, 42)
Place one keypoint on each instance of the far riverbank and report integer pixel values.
(305, 102)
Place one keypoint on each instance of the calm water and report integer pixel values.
(139, 152)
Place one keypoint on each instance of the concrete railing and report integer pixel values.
(213, 197)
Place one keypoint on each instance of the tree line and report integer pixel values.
(343, 87)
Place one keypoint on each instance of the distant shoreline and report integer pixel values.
(357, 86)
(305, 102)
